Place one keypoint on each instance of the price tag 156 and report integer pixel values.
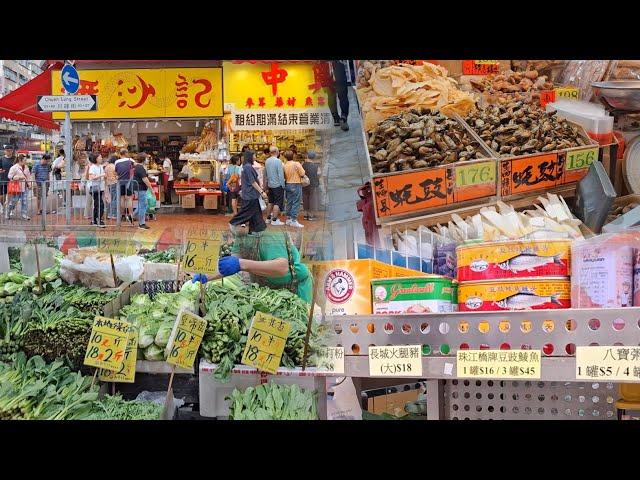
(107, 343)
(400, 361)
(185, 339)
(331, 359)
(620, 364)
(265, 342)
(127, 372)
(498, 364)
(577, 159)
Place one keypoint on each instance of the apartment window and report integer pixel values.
(23, 79)
(10, 74)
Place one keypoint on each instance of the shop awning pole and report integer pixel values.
(69, 158)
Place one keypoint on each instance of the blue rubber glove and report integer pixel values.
(228, 265)
(199, 277)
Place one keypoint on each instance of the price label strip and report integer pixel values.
(579, 159)
(401, 361)
(480, 67)
(265, 342)
(185, 339)
(116, 245)
(107, 343)
(201, 255)
(608, 363)
(514, 364)
(127, 372)
(562, 93)
(331, 359)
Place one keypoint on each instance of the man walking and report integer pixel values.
(124, 169)
(6, 162)
(275, 184)
(340, 88)
(41, 172)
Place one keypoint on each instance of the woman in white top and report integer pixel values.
(167, 167)
(19, 172)
(96, 184)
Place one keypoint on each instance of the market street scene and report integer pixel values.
(320, 240)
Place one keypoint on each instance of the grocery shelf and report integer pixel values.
(282, 371)
(158, 367)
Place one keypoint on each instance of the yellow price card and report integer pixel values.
(265, 342)
(331, 359)
(116, 244)
(499, 364)
(583, 158)
(398, 361)
(620, 364)
(475, 174)
(127, 372)
(201, 254)
(567, 93)
(107, 343)
(185, 339)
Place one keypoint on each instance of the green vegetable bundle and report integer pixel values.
(230, 311)
(271, 401)
(115, 408)
(166, 256)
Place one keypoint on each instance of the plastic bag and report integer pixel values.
(263, 206)
(158, 398)
(151, 200)
(129, 269)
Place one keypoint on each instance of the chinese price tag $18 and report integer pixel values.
(395, 361)
(499, 364)
(265, 342)
(185, 339)
(107, 343)
(613, 363)
(127, 372)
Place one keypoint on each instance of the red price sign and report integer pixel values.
(547, 96)
(536, 172)
(480, 67)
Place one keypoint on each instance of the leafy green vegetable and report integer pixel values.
(115, 408)
(165, 256)
(271, 401)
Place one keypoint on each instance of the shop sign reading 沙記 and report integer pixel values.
(149, 93)
(278, 95)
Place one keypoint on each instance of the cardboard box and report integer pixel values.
(210, 202)
(392, 403)
(188, 201)
(345, 285)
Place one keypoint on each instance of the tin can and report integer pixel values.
(513, 259)
(454, 296)
(411, 295)
(515, 294)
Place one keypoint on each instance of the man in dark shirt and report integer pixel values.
(124, 166)
(6, 163)
(143, 184)
(41, 173)
(250, 193)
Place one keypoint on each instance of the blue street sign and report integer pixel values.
(70, 79)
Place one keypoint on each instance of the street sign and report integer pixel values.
(67, 103)
(70, 79)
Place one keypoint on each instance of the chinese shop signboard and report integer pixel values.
(277, 95)
(149, 93)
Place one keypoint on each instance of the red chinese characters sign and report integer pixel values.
(150, 93)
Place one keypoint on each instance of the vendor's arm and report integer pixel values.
(267, 268)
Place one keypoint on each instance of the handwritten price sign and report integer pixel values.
(116, 245)
(127, 372)
(332, 359)
(185, 339)
(201, 255)
(400, 361)
(107, 343)
(480, 67)
(265, 342)
(498, 364)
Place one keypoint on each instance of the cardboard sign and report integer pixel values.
(117, 244)
(127, 372)
(107, 343)
(265, 342)
(530, 173)
(185, 339)
(613, 364)
(201, 254)
(331, 359)
(480, 67)
(499, 364)
(401, 361)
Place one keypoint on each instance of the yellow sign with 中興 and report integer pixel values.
(185, 339)
(201, 254)
(499, 364)
(149, 93)
(127, 372)
(107, 343)
(265, 342)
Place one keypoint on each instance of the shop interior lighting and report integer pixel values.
(146, 125)
(133, 125)
(197, 123)
(104, 127)
(119, 123)
(179, 124)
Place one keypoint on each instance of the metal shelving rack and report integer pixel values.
(556, 395)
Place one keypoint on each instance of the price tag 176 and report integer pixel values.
(107, 343)
(127, 372)
(620, 364)
(331, 359)
(185, 339)
(265, 342)
(499, 364)
(400, 361)
(475, 174)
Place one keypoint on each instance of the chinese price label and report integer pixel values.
(608, 363)
(400, 361)
(331, 359)
(117, 245)
(480, 67)
(107, 343)
(201, 255)
(265, 342)
(474, 176)
(536, 172)
(578, 159)
(185, 339)
(127, 372)
(498, 364)
(547, 96)
(567, 93)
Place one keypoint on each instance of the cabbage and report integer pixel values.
(164, 332)
(153, 352)
(157, 313)
(191, 289)
(141, 300)
(147, 334)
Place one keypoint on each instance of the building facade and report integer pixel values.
(14, 73)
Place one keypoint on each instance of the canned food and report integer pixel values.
(395, 296)
(513, 259)
(517, 294)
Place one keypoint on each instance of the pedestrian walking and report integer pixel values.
(275, 186)
(250, 213)
(312, 171)
(293, 173)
